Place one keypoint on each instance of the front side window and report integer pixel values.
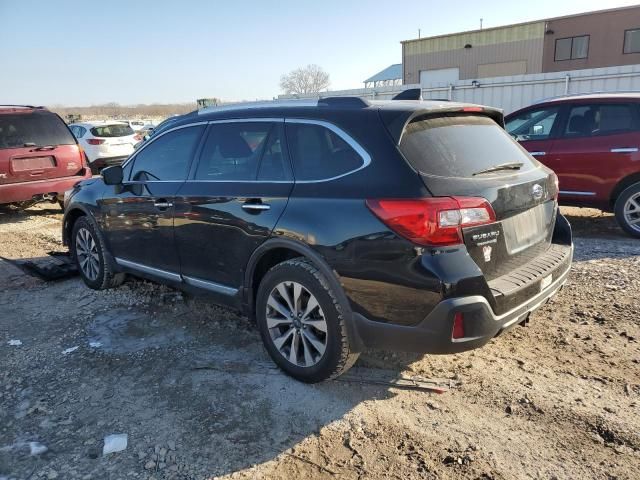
(599, 119)
(167, 158)
(632, 41)
(233, 150)
(533, 124)
(572, 48)
(319, 153)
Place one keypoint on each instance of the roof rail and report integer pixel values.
(354, 102)
(585, 94)
(20, 106)
(259, 104)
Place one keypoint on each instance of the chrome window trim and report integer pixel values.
(584, 194)
(150, 270)
(153, 139)
(211, 286)
(364, 155)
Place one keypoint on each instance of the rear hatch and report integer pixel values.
(116, 140)
(36, 145)
(470, 155)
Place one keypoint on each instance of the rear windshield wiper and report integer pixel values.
(502, 166)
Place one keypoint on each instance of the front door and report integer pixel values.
(594, 150)
(535, 129)
(138, 215)
(234, 196)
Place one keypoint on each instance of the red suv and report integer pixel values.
(592, 143)
(39, 157)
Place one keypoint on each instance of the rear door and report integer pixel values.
(597, 146)
(36, 145)
(237, 191)
(138, 215)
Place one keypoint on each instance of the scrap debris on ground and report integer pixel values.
(175, 388)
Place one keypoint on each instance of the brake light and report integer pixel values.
(473, 109)
(81, 151)
(95, 141)
(457, 331)
(436, 221)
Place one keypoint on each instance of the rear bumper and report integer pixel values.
(433, 334)
(24, 191)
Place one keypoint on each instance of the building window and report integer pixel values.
(572, 48)
(632, 41)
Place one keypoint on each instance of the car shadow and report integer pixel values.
(174, 371)
(10, 214)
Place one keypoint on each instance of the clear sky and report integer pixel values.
(145, 51)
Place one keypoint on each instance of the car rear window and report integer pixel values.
(459, 146)
(115, 130)
(36, 128)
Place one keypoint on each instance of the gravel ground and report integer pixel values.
(192, 388)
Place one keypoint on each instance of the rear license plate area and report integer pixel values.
(32, 163)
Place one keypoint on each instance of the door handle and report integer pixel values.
(624, 150)
(163, 204)
(256, 207)
(538, 154)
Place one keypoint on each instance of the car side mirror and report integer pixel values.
(538, 129)
(112, 175)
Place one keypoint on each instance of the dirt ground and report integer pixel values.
(194, 391)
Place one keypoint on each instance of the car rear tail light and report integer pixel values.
(95, 141)
(137, 137)
(436, 221)
(556, 183)
(457, 331)
(81, 152)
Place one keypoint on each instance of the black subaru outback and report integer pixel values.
(338, 224)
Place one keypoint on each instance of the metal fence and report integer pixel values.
(512, 92)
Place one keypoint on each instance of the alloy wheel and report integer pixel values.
(87, 254)
(296, 324)
(631, 212)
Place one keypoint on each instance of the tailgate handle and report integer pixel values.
(624, 150)
(255, 206)
(538, 154)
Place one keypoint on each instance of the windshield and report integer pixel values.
(38, 129)
(459, 146)
(115, 130)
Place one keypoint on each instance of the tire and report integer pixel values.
(88, 250)
(627, 210)
(310, 364)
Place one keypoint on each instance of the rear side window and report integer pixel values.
(599, 119)
(319, 153)
(459, 146)
(233, 151)
(38, 128)
(115, 130)
(168, 157)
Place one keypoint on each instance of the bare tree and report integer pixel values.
(309, 79)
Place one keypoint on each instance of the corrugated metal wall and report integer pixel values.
(504, 44)
(513, 92)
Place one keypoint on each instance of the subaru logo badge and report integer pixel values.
(537, 191)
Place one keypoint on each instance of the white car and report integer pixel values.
(105, 143)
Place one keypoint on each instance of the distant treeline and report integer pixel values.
(114, 110)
